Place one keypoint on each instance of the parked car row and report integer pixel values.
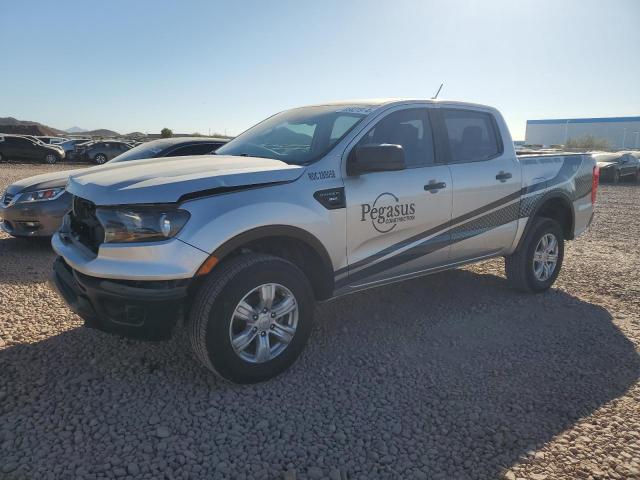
(34, 207)
(54, 149)
(28, 148)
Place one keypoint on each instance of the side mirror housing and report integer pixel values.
(375, 158)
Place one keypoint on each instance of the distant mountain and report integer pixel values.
(26, 127)
(101, 132)
(76, 130)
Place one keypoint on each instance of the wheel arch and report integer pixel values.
(557, 206)
(292, 243)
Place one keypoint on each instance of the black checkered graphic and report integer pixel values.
(486, 222)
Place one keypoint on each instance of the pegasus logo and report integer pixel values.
(386, 212)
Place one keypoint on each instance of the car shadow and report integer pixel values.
(454, 375)
(25, 260)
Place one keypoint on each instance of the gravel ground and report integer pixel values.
(452, 376)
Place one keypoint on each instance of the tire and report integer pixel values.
(213, 321)
(636, 176)
(100, 159)
(616, 177)
(520, 267)
(50, 158)
(1, 157)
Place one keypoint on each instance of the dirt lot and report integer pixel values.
(452, 376)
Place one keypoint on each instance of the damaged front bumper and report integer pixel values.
(146, 310)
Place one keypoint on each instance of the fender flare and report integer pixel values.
(554, 195)
(281, 231)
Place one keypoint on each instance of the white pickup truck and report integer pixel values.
(310, 204)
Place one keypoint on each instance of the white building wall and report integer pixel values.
(620, 132)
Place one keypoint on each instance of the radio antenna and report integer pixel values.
(438, 92)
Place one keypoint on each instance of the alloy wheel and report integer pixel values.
(264, 323)
(545, 257)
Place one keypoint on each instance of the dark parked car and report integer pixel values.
(616, 166)
(173, 147)
(34, 206)
(22, 148)
(101, 151)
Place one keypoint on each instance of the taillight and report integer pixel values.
(595, 179)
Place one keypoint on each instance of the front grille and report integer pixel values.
(84, 224)
(8, 197)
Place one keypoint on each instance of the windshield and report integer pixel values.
(144, 150)
(297, 136)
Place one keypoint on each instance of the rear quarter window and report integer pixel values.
(472, 135)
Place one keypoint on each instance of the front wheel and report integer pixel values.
(535, 265)
(100, 159)
(50, 158)
(251, 318)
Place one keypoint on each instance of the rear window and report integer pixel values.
(472, 135)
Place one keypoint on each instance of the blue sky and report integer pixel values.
(225, 65)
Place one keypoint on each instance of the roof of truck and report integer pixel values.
(379, 102)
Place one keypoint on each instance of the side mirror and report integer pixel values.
(375, 158)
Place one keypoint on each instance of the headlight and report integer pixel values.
(40, 195)
(149, 224)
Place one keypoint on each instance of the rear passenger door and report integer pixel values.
(486, 180)
(395, 218)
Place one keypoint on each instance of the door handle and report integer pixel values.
(503, 176)
(434, 186)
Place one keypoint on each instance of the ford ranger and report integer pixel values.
(311, 204)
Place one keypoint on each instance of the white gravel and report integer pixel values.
(452, 376)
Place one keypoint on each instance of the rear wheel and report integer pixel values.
(50, 158)
(636, 176)
(100, 158)
(535, 265)
(1, 157)
(251, 318)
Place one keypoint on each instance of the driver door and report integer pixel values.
(395, 218)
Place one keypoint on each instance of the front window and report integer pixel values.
(408, 128)
(297, 136)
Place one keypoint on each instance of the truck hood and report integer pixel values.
(167, 180)
(40, 182)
